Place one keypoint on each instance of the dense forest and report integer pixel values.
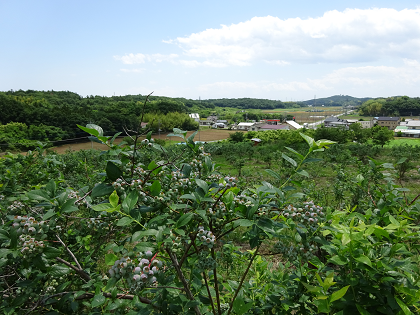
(391, 106)
(337, 100)
(29, 116)
(252, 103)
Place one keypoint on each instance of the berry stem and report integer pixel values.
(243, 278)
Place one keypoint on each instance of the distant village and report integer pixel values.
(405, 127)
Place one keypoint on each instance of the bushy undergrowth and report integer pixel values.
(151, 230)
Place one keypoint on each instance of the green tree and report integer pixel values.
(381, 135)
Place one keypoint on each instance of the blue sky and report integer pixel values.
(280, 50)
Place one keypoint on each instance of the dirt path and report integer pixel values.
(203, 135)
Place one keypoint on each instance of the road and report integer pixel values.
(313, 125)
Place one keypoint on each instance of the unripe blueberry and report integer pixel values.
(149, 254)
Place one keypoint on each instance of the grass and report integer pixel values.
(401, 141)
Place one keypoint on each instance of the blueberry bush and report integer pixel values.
(145, 229)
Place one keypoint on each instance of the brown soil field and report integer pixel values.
(204, 135)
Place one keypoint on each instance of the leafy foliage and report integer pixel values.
(148, 230)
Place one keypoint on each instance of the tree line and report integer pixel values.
(391, 106)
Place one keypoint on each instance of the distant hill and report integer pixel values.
(337, 100)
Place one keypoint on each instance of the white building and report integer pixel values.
(195, 116)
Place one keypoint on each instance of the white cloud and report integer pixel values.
(132, 70)
(367, 79)
(130, 59)
(353, 35)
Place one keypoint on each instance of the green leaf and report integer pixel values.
(338, 260)
(155, 188)
(137, 236)
(297, 195)
(113, 199)
(110, 284)
(203, 185)
(58, 270)
(51, 187)
(338, 294)
(102, 207)
(38, 195)
(188, 196)
(51, 252)
(101, 190)
(110, 259)
(48, 215)
(130, 201)
(98, 300)
(112, 171)
(289, 159)
(69, 206)
(303, 173)
(362, 310)
(184, 219)
(345, 238)
(191, 138)
(124, 221)
(308, 139)
(186, 169)
(403, 306)
(274, 174)
(364, 259)
(301, 157)
(242, 222)
(92, 131)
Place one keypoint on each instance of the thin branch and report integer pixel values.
(182, 278)
(243, 278)
(69, 251)
(208, 292)
(81, 273)
(216, 283)
(188, 248)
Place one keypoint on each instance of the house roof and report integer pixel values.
(409, 131)
(410, 123)
(401, 128)
(334, 119)
(294, 124)
(273, 127)
(246, 124)
(195, 116)
(388, 118)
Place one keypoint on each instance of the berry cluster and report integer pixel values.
(31, 233)
(306, 213)
(30, 246)
(137, 272)
(16, 206)
(293, 251)
(175, 243)
(218, 211)
(98, 222)
(204, 262)
(30, 226)
(229, 182)
(75, 195)
(50, 286)
(206, 237)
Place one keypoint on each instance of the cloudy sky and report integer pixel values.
(282, 50)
